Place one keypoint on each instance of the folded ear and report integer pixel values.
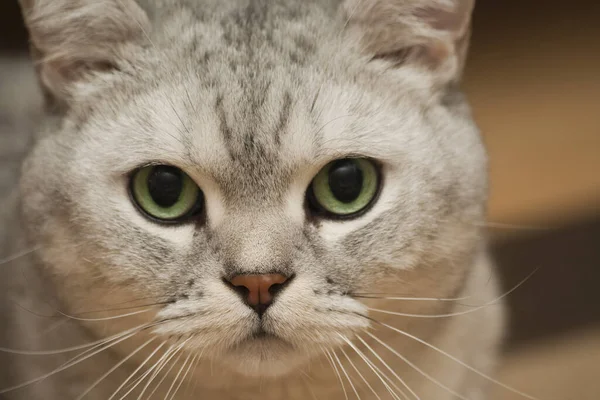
(433, 33)
(72, 39)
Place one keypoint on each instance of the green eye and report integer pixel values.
(165, 193)
(345, 187)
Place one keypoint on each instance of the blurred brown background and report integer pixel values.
(534, 82)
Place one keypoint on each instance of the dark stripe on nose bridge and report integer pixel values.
(284, 117)
(224, 127)
(220, 110)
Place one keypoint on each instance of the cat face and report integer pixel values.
(253, 170)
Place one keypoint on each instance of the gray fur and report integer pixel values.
(251, 98)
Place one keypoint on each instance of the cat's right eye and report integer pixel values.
(344, 188)
(166, 193)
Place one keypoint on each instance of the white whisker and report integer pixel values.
(505, 386)
(308, 386)
(377, 371)
(86, 352)
(51, 328)
(169, 370)
(70, 349)
(66, 365)
(501, 225)
(384, 296)
(139, 24)
(350, 16)
(381, 360)
(458, 313)
(346, 375)
(419, 370)
(110, 371)
(184, 376)
(195, 368)
(337, 372)
(105, 318)
(158, 303)
(134, 383)
(177, 376)
(158, 366)
(136, 371)
(16, 256)
(360, 374)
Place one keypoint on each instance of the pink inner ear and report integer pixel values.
(445, 19)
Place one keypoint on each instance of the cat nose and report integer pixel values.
(258, 291)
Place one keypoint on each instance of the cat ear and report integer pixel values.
(433, 33)
(72, 39)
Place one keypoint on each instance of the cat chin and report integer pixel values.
(264, 356)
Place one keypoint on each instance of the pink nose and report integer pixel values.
(258, 291)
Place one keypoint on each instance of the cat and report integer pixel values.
(246, 199)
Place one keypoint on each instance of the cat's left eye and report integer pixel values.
(166, 193)
(345, 187)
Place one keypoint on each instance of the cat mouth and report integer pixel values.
(263, 346)
(262, 335)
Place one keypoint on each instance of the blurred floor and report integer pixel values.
(565, 368)
(553, 350)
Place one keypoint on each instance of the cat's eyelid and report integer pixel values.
(323, 159)
(184, 168)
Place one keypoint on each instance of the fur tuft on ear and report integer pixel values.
(73, 38)
(434, 33)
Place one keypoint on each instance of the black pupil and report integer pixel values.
(165, 185)
(345, 180)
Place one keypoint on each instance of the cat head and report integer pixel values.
(253, 167)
